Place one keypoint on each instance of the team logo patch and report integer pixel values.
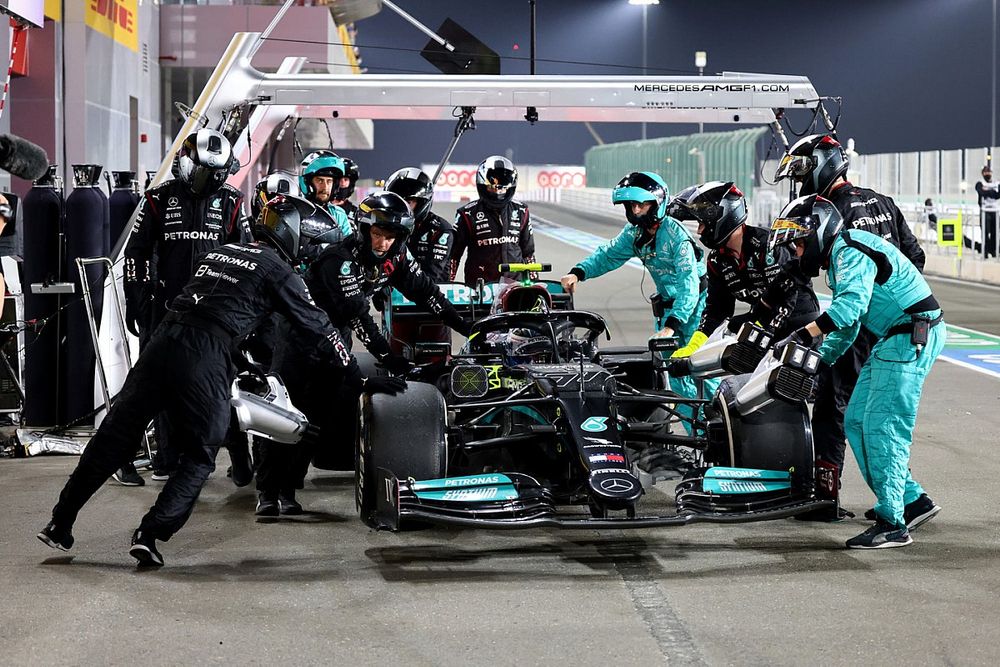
(345, 268)
(443, 239)
(216, 203)
(595, 424)
(173, 201)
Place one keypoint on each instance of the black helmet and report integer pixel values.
(719, 207)
(317, 232)
(352, 172)
(411, 183)
(816, 162)
(496, 181)
(277, 183)
(321, 163)
(812, 218)
(388, 211)
(279, 225)
(642, 186)
(204, 162)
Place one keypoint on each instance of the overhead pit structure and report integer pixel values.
(731, 98)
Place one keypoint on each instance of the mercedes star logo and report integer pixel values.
(617, 485)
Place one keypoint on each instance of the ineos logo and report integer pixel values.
(617, 485)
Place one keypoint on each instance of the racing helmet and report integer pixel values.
(343, 193)
(814, 219)
(496, 181)
(815, 162)
(276, 183)
(279, 225)
(517, 298)
(642, 186)
(719, 208)
(524, 346)
(204, 161)
(412, 183)
(388, 211)
(317, 232)
(321, 163)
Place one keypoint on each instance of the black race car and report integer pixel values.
(534, 424)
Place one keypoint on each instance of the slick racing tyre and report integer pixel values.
(404, 434)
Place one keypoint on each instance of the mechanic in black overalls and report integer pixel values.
(741, 268)
(818, 163)
(344, 188)
(178, 221)
(342, 281)
(187, 370)
(494, 229)
(432, 237)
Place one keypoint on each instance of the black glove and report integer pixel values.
(137, 308)
(383, 385)
(380, 299)
(396, 364)
(798, 337)
(462, 326)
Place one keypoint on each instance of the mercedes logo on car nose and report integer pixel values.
(617, 485)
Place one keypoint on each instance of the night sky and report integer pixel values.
(914, 74)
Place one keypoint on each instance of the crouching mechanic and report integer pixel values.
(342, 280)
(741, 267)
(187, 370)
(874, 285)
(670, 255)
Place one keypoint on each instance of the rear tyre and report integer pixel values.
(404, 434)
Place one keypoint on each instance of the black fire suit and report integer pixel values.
(870, 211)
(431, 243)
(989, 193)
(342, 287)
(493, 237)
(757, 274)
(187, 370)
(173, 228)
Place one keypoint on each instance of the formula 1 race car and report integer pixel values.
(533, 424)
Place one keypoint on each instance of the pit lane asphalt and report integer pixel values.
(324, 589)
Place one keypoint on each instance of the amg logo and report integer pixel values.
(189, 236)
(711, 88)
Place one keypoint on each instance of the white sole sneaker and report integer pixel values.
(145, 555)
(923, 518)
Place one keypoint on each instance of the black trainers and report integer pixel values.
(56, 537)
(288, 505)
(266, 505)
(161, 475)
(825, 515)
(127, 476)
(881, 535)
(143, 549)
(915, 514)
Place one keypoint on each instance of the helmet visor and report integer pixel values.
(795, 167)
(787, 230)
(499, 180)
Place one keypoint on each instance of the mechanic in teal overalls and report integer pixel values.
(319, 180)
(875, 286)
(668, 252)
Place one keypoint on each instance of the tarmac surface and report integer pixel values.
(323, 589)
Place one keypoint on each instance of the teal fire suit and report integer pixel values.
(675, 264)
(877, 287)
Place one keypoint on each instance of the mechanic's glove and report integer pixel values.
(697, 340)
(138, 305)
(380, 299)
(396, 364)
(383, 385)
(797, 337)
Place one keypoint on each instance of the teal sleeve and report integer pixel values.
(852, 289)
(837, 342)
(688, 283)
(611, 255)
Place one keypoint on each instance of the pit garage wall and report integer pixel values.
(101, 75)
